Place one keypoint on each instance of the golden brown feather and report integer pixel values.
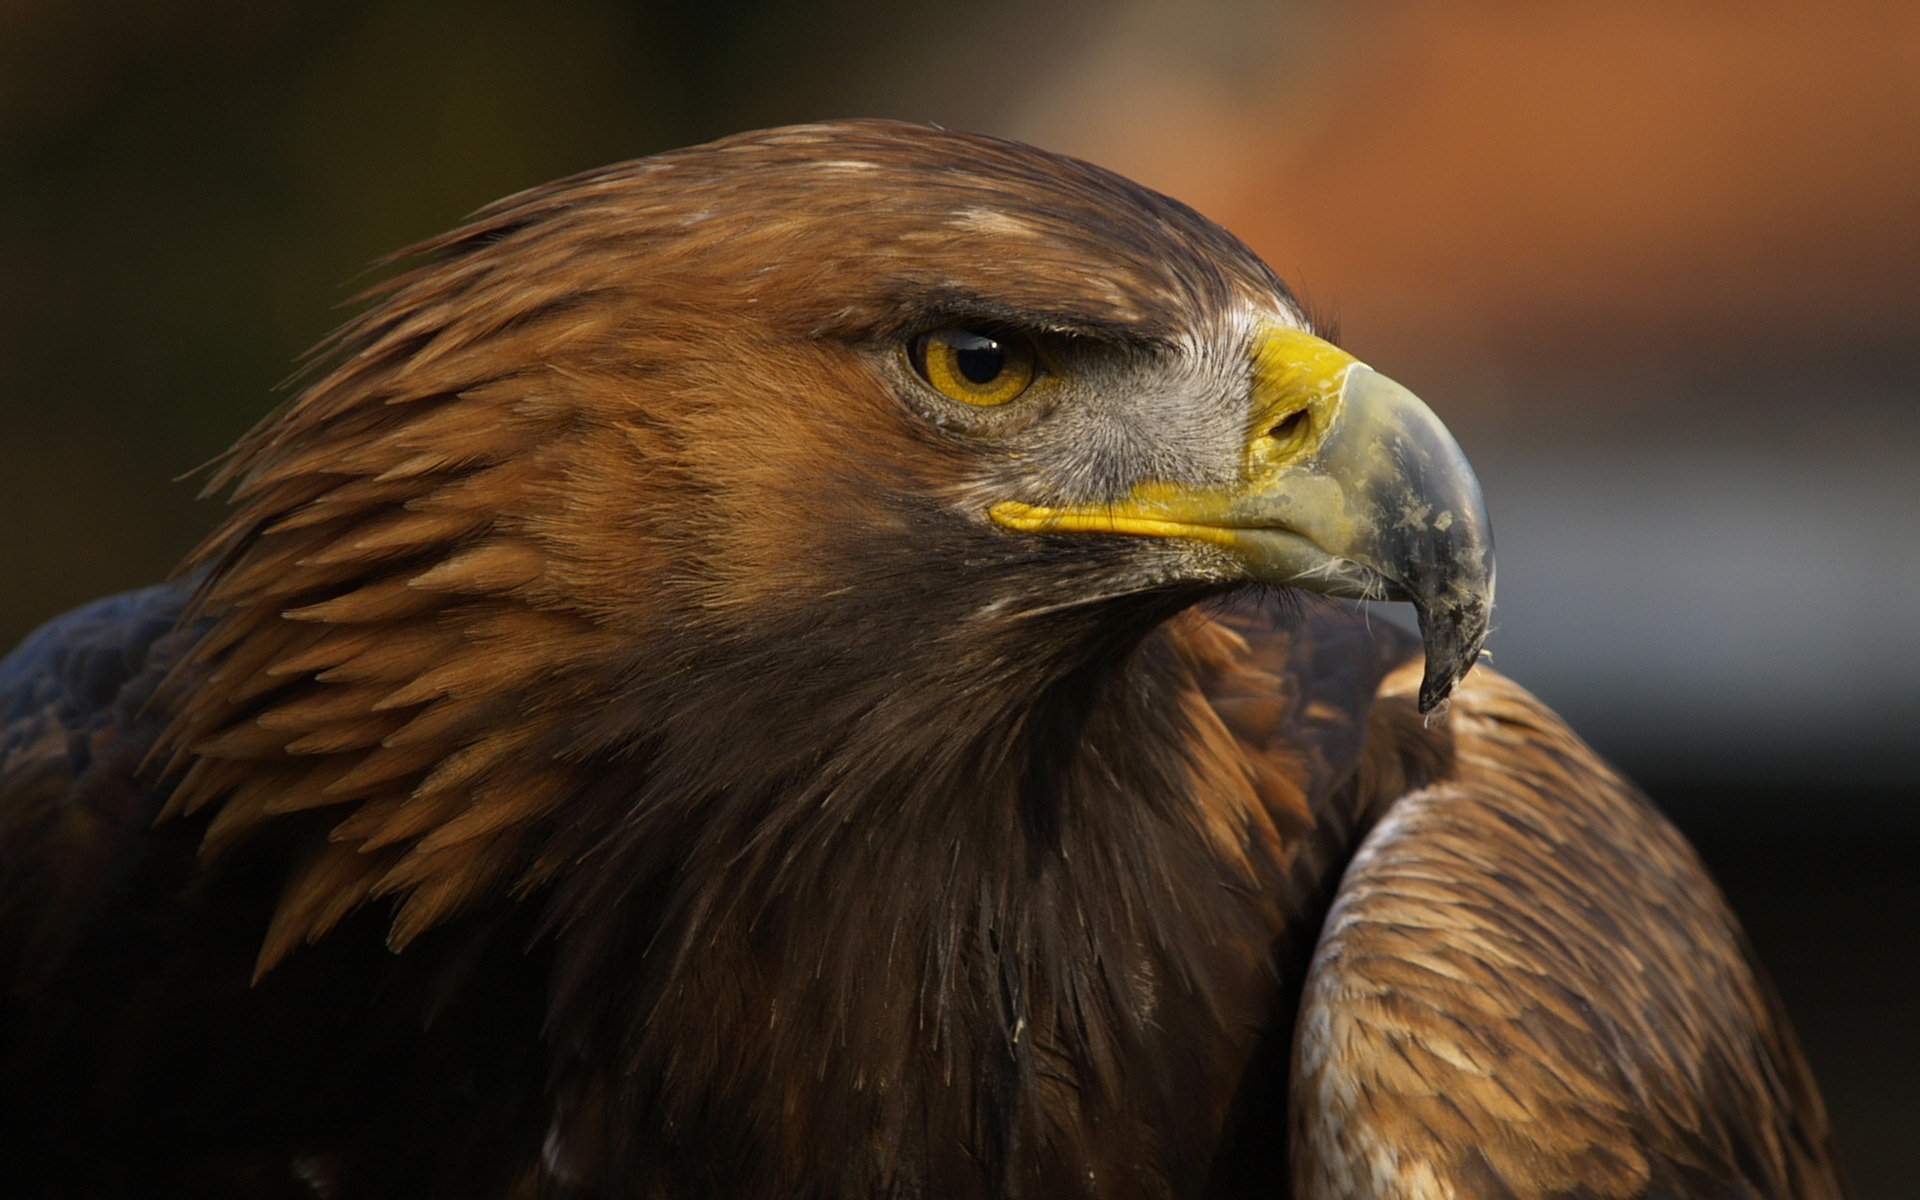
(1529, 986)
(612, 749)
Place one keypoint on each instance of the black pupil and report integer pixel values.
(979, 358)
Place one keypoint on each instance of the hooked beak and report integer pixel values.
(1348, 485)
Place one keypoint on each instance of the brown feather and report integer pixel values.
(1482, 1021)
(608, 752)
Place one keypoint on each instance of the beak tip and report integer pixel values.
(1452, 635)
(1435, 691)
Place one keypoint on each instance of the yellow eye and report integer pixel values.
(974, 365)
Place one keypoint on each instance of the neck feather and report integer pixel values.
(951, 928)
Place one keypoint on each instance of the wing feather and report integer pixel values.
(1528, 985)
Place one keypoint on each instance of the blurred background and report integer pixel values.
(1658, 265)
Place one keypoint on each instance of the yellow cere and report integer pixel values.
(1298, 381)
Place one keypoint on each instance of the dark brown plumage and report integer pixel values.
(675, 712)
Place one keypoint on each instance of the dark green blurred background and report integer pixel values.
(1659, 266)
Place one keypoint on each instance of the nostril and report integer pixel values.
(1288, 426)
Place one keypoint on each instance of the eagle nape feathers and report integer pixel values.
(803, 667)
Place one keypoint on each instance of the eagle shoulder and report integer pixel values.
(1528, 985)
(82, 700)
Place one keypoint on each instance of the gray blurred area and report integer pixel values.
(1657, 265)
(1726, 592)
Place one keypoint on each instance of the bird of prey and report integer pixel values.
(804, 667)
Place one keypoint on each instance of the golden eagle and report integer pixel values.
(797, 667)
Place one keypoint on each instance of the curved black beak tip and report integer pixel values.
(1452, 634)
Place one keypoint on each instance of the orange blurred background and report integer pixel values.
(1657, 264)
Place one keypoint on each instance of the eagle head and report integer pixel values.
(820, 461)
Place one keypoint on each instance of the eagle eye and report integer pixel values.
(974, 365)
